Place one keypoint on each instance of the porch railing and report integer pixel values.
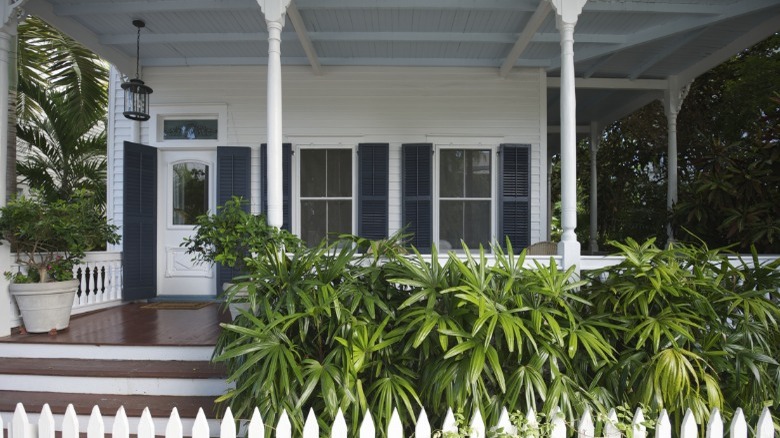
(610, 426)
(100, 282)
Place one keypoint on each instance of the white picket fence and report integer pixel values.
(20, 427)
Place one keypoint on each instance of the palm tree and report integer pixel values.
(61, 109)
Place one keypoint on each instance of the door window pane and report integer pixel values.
(190, 192)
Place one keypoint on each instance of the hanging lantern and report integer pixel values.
(136, 92)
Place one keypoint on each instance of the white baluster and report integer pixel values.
(95, 427)
(765, 427)
(121, 427)
(228, 426)
(256, 426)
(738, 427)
(283, 428)
(423, 427)
(174, 428)
(339, 428)
(664, 428)
(200, 429)
(715, 425)
(82, 283)
(477, 425)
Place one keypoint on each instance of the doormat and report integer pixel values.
(176, 305)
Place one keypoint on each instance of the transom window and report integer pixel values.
(465, 198)
(325, 193)
(190, 192)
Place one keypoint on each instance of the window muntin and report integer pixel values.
(325, 193)
(190, 192)
(465, 198)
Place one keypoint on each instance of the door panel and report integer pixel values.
(139, 222)
(187, 183)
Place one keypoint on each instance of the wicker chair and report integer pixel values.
(542, 248)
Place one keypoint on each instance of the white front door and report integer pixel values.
(187, 189)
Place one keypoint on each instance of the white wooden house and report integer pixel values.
(365, 116)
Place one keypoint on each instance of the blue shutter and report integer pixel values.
(417, 203)
(139, 222)
(233, 179)
(514, 200)
(373, 163)
(286, 183)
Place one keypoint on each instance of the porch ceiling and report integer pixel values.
(624, 49)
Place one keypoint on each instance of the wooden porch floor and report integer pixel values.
(132, 324)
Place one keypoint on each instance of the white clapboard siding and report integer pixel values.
(20, 427)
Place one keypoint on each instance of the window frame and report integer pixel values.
(296, 183)
(160, 113)
(436, 197)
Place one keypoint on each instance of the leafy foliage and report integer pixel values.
(332, 328)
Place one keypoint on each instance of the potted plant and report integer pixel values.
(49, 238)
(229, 237)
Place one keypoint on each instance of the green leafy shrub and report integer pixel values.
(333, 328)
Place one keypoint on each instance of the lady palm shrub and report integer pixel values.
(333, 328)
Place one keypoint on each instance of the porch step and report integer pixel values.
(125, 377)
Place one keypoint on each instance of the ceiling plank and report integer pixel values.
(42, 9)
(505, 5)
(525, 38)
(133, 7)
(676, 45)
(672, 28)
(612, 84)
(303, 38)
(334, 61)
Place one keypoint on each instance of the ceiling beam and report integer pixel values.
(758, 33)
(612, 84)
(526, 36)
(669, 29)
(676, 45)
(303, 38)
(86, 37)
(147, 6)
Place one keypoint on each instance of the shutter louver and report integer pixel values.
(417, 205)
(139, 222)
(233, 179)
(514, 201)
(373, 168)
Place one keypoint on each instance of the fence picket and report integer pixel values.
(174, 428)
(339, 428)
(2, 427)
(200, 428)
(284, 428)
(477, 426)
(367, 428)
(558, 425)
(146, 425)
(586, 429)
(610, 428)
(504, 424)
(715, 425)
(688, 427)
(395, 429)
(95, 427)
(663, 429)
(531, 424)
(70, 423)
(19, 423)
(638, 424)
(256, 426)
(423, 427)
(449, 423)
(227, 428)
(46, 425)
(311, 429)
(121, 427)
(738, 428)
(765, 427)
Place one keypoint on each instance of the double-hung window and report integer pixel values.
(326, 193)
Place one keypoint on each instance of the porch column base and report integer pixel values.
(570, 251)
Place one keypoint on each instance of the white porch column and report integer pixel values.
(7, 32)
(274, 11)
(595, 140)
(567, 12)
(673, 100)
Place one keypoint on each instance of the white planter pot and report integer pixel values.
(237, 302)
(45, 306)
